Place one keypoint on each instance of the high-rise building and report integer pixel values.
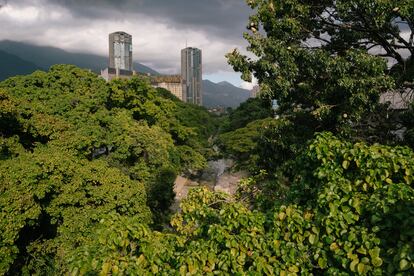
(191, 74)
(120, 51)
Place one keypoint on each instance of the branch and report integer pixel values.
(403, 41)
(377, 33)
(409, 84)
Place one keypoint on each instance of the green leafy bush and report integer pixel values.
(349, 210)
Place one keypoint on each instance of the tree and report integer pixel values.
(242, 143)
(75, 149)
(248, 111)
(50, 200)
(325, 58)
(408, 120)
(350, 211)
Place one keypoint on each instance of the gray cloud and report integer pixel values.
(159, 27)
(222, 17)
(3, 3)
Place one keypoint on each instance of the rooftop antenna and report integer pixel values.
(186, 42)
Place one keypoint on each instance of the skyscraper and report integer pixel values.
(191, 74)
(120, 51)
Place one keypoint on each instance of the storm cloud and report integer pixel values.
(218, 16)
(160, 28)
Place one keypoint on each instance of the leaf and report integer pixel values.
(353, 265)
(312, 239)
(115, 269)
(345, 164)
(294, 269)
(106, 267)
(362, 250)
(361, 268)
(404, 264)
(322, 262)
(183, 270)
(377, 262)
(334, 246)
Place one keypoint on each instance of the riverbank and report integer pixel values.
(217, 176)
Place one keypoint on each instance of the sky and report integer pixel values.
(160, 29)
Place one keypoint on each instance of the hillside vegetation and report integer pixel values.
(87, 167)
(74, 149)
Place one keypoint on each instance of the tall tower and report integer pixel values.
(120, 51)
(191, 74)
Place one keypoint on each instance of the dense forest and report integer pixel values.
(87, 167)
(75, 149)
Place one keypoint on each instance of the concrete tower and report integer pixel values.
(120, 51)
(191, 74)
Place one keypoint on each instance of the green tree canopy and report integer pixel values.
(74, 149)
(325, 58)
(349, 211)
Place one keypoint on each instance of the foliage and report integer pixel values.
(283, 141)
(50, 201)
(361, 196)
(191, 115)
(242, 129)
(325, 60)
(83, 161)
(161, 195)
(386, 27)
(74, 148)
(408, 121)
(349, 211)
(251, 110)
(241, 144)
(189, 125)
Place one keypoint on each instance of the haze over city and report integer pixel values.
(160, 29)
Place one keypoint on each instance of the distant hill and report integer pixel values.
(45, 57)
(17, 58)
(223, 94)
(11, 65)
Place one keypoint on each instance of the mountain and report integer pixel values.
(17, 58)
(45, 57)
(223, 94)
(11, 65)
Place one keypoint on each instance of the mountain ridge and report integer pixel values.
(46, 56)
(223, 94)
(15, 65)
(24, 58)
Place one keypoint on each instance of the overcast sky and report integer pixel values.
(160, 29)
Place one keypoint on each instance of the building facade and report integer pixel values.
(120, 51)
(111, 73)
(170, 83)
(191, 75)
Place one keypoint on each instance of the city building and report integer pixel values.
(120, 51)
(120, 57)
(186, 87)
(171, 83)
(111, 73)
(191, 75)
